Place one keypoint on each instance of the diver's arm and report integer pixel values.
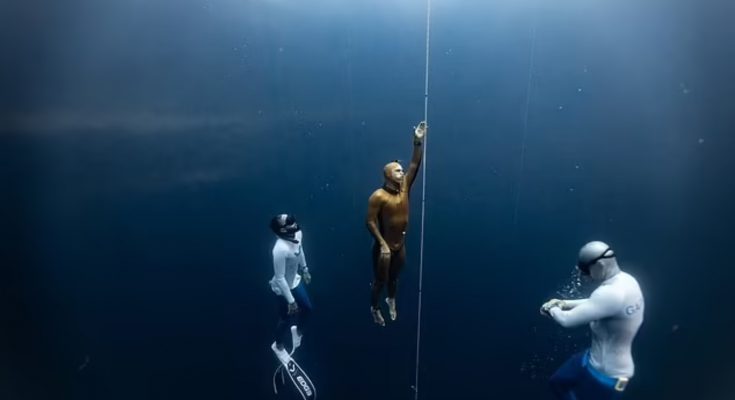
(603, 303)
(279, 274)
(418, 153)
(302, 258)
(303, 269)
(374, 204)
(563, 304)
(570, 304)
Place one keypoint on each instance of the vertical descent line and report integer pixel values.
(423, 202)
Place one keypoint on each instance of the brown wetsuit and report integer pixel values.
(387, 221)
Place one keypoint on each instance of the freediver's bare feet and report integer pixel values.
(377, 316)
(391, 308)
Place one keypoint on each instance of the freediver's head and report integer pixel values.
(286, 227)
(393, 173)
(597, 260)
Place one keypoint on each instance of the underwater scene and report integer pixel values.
(418, 199)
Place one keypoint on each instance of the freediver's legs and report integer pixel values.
(398, 260)
(300, 319)
(381, 272)
(566, 377)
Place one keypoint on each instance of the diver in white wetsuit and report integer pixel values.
(289, 267)
(614, 313)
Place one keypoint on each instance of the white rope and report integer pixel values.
(423, 201)
(529, 88)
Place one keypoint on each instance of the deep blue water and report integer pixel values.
(144, 145)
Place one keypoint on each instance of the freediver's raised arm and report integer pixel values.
(418, 153)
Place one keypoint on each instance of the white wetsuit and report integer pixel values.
(614, 312)
(287, 258)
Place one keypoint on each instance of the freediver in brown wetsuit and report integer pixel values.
(387, 220)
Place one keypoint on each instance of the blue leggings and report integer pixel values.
(285, 321)
(577, 380)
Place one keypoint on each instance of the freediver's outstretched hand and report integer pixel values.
(420, 131)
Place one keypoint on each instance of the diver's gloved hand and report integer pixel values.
(546, 307)
(293, 308)
(419, 133)
(306, 275)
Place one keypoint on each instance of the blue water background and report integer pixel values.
(144, 146)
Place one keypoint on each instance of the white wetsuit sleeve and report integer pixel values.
(603, 303)
(279, 274)
(569, 304)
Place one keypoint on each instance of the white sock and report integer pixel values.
(281, 354)
(295, 337)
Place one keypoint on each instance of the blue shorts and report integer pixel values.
(576, 379)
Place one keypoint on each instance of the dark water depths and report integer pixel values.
(145, 145)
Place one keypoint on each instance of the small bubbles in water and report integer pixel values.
(585, 69)
(560, 108)
(572, 288)
(362, 123)
(576, 166)
(448, 52)
(700, 141)
(84, 364)
(674, 328)
(579, 90)
(571, 189)
(320, 124)
(280, 49)
(684, 88)
(260, 112)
